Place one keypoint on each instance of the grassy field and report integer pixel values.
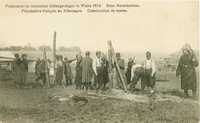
(34, 105)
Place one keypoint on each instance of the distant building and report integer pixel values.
(5, 60)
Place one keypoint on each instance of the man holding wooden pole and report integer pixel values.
(113, 59)
(120, 79)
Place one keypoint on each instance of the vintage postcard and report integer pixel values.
(99, 61)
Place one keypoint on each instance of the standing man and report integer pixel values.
(51, 72)
(128, 70)
(121, 65)
(24, 69)
(105, 74)
(37, 68)
(98, 70)
(87, 71)
(67, 71)
(59, 70)
(186, 69)
(41, 72)
(149, 72)
(17, 70)
(78, 76)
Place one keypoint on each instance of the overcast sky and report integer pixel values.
(158, 26)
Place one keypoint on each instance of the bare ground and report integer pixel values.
(38, 105)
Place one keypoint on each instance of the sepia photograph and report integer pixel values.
(99, 61)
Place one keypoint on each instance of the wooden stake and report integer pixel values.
(54, 56)
(117, 66)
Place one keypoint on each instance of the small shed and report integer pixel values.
(6, 56)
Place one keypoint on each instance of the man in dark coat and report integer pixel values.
(17, 70)
(24, 69)
(41, 72)
(186, 70)
(87, 71)
(105, 74)
(68, 71)
(78, 76)
(36, 66)
(59, 70)
(128, 71)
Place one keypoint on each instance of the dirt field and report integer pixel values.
(36, 105)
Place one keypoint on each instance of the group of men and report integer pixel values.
(89, 73)
(44, 70)
(145, 72)
(96, 73)
(20, 70)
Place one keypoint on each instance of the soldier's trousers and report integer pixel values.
(149, 80)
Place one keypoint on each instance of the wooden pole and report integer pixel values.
(54, 56)
(111, 65)
(117, 66)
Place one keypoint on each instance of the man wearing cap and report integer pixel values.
(16, 69)
(24, 69)
(68, 71)
(41, 72)
(98, 70)
(128, 70)
(87, 71)
(186, 70)
(59, 70)
(78, 75)
(121, 65)
(149, 72)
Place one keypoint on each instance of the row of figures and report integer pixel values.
(94, 73)
(99, 73)
(87, 71)
(20, 70)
